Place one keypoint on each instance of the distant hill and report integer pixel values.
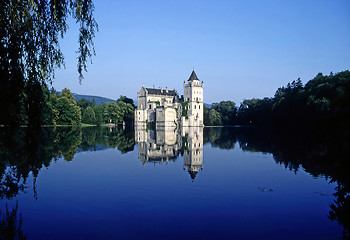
(207, 105)
(98, 100)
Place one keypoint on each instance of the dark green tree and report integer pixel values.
(206, 115)
(89, 116)
(69, 112)
(83, 104)
(30, 51)
(112, 113)
(126, 111)
(227, 111)
(214, 118)
(126, 100)
(99, 113)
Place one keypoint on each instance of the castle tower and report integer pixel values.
(193, 95)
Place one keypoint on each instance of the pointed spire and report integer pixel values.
(193, 76)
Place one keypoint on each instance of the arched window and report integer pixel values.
(194, 106)
(199, 106)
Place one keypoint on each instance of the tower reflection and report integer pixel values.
(165, 145)
(193, 149)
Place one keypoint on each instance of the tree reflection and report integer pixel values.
(340, 209)
(319, 152)
(11, 224)
(223, 138)
(24, 151)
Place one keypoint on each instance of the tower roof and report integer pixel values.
(193, 76)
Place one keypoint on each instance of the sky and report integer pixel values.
(239, 49)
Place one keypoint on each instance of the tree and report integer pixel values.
(83, 104)
(69, 112)
(99, 113)
(126, 112)
(126, 100)
(89, 116)
(111, 113)
(30, 51)
(227, 111)
(206, 115)
(214, 117)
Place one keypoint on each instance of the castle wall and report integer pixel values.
(164, 108)
(166, 117)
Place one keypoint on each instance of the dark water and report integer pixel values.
(193, 183)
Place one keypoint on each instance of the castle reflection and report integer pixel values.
(165, 145)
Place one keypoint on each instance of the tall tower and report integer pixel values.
(193, 94)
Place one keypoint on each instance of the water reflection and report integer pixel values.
(162, 146)
(159, 146)
(11, 224)
(24, 151)
(322, 154)
(193, 150)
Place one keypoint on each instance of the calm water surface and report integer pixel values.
(193, 183)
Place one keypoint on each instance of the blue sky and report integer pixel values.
(240, 49)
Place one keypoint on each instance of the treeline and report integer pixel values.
(62, 109)
(322, 100)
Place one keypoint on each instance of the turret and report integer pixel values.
(193, 94)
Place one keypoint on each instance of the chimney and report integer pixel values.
(166, 89)
(161, 90)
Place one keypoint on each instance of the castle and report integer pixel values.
(164, 107)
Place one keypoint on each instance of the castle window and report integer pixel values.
(150, 106)
(199, 106)
(194, 106)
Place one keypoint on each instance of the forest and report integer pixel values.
(61, 109)
(321, 101)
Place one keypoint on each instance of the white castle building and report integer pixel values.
(165, 108)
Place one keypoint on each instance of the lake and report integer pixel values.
(190, 183)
